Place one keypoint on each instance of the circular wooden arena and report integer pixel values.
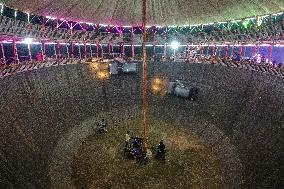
(219, 141)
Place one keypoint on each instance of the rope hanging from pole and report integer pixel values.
(145, 82)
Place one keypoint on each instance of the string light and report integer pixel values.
(51, 18)
(2, 8)
(28, 40)
(175, 45)
(194, 28)
(28, 17)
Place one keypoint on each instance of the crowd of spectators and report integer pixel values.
(269, 30)
(246, 31)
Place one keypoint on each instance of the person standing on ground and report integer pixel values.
(127, 138)
(161, 151)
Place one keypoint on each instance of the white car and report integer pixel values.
(116, 68)
(129, 68)
(176, 88)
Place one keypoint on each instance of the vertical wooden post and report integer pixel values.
(30, 52)
(145, 75)
(3, 53)
(227, 53)
(72, 52)
(80, 53)
(122, 50)
(186, 51)
(15, 52)
(68, 53)
(43, 50)
(232, 52)
(102, 50)
(59, 50)
(207, 52)
(213, 54)
(97, 46)
(91, 50)
(132, 43)
(154, 41)
(85, 50)
(165, 50)
(55, 53)
(270, 53)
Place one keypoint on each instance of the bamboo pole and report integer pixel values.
(145, 82)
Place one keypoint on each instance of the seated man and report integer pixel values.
(102, 126)
(148, 156)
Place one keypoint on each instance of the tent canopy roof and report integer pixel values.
(160, 12)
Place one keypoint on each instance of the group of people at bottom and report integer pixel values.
(134, 146)
(134, 150)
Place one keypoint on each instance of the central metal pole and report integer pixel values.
(145, 79)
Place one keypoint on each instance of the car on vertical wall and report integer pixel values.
(178, 89)
(129, 68)
(118, 67)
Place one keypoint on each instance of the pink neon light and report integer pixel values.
(6, 42)
(265, 45)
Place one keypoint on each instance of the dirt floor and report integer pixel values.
(100, 161)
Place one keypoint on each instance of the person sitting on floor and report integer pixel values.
(148, 156)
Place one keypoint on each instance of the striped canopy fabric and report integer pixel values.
(160, 12)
